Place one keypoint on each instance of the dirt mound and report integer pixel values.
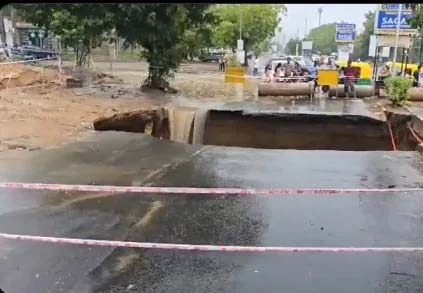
(20, 75)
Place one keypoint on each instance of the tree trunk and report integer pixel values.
(245, 55)
(82, 55)
(155, 80)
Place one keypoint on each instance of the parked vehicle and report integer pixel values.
(209, 57)
(305, 63)
(36, 52)
(17, 55)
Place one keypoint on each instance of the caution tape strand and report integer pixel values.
(200, 247)
(202, 191)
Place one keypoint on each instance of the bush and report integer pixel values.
(398, 89)
(233, 61)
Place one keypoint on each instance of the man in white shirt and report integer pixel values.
(256, 65)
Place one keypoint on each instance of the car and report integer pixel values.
(37, 52)
(305, 63)
(210, 57)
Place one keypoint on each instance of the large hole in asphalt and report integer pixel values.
(271, 130)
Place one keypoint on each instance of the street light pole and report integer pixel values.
(394, 70)
(320, 10)
(240, 25)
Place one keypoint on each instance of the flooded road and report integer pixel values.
(112, 158)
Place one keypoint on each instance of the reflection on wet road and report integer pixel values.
(134, 159)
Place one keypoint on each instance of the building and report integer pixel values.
(13, 32)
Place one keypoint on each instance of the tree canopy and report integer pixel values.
(323, 38)
(259, 24)
(291, 46)
(81, 26)
(417, 20)
(160, 30)
(167, 33)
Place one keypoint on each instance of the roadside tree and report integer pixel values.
(323, 38)
(259, 24)
(81, 26)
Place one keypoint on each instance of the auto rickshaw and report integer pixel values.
(398, 65)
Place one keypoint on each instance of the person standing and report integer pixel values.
(256, 65)
(220, 62)
(6, 50)
(289, 67)
(225, 62)
(416, 75)
(349, 79)
(268, 74)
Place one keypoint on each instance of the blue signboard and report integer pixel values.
(387, 20)
(345, 32)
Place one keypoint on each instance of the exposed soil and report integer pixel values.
(37, 118)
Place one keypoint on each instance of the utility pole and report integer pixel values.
(320, 10)
(240, 25)
(394, 70)
(305, 31)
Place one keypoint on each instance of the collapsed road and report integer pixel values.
(118, 158)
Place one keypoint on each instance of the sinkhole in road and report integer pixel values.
(267, 130)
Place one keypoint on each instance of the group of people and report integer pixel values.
(385, 72)
(287, 72)
(293, 72)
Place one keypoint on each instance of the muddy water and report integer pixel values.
(180, 123)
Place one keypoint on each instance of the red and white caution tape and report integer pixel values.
(199, 190)
(197, 247)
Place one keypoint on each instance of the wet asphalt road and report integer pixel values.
(134, 159)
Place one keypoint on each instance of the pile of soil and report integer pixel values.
(21, 75)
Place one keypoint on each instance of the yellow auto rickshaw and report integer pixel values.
(413, 67)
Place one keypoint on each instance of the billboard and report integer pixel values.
(386, 22)
(345, 32)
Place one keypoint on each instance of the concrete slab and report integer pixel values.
(134, 159)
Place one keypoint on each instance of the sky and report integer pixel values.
(295, 20)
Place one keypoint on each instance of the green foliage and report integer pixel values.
(398, 89)
(291, 46)
(323, 38)
(361, 46)
(196, 39)
(232, 61)
(160, 30)
(259, 23)
(81, 26)
(417, 20)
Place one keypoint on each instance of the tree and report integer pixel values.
(160, 30)
(361, 47)
(81, 26)
(199, 37)
(323, 38)
(259, 23)
(417, 20)
(291, 46)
